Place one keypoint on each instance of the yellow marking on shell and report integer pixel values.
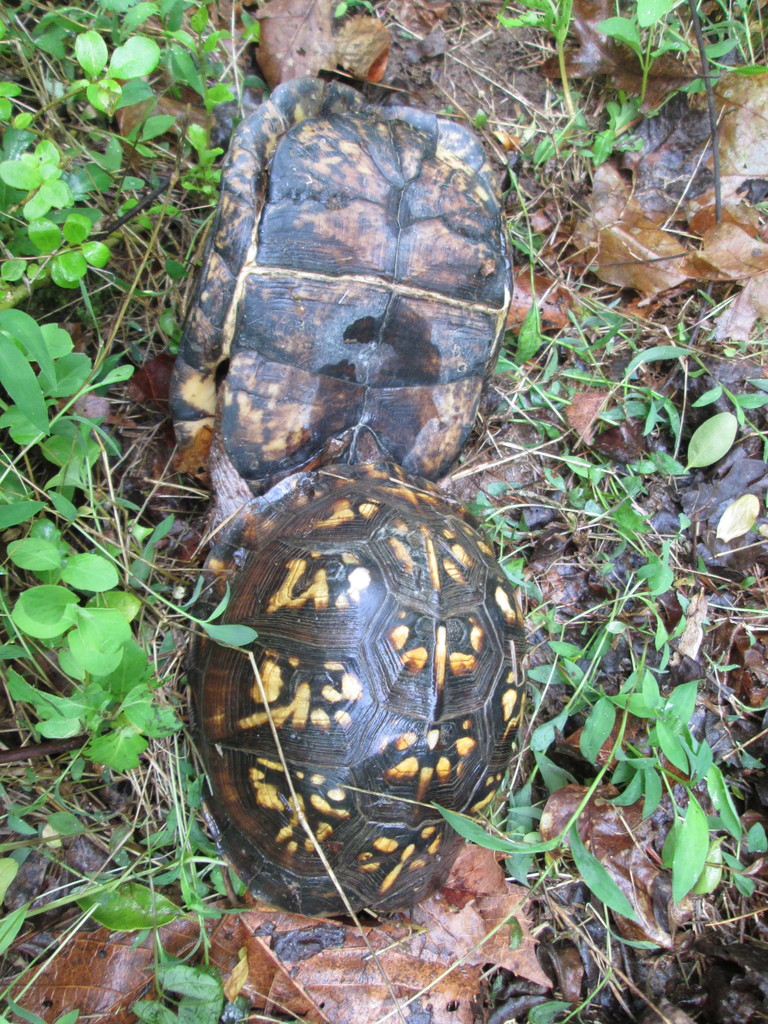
(441, 654)
(267, 795)
(257, 774)
(508, 703)
(292, 847)
(216, 565)
(432, 565)
(385, 845)
(461, 554)
(350, 558)
(443, 769)
(425, 777)
(337, 794)
(317, 780)
(492, 780)
(477, 637)
(405, 741)
(334, 666)
(284, 834)
(293, 661)
(465, 745)
(506, 608)
(368, 509)
(475, 808)
(341, 602)
(407, 769)
(399, 637)
(271, 680)
(466, 725)
(434, 846)
(341, 512)
(485, 548)
(391, 878)
(284, 596)
(320, 718)
(427, 831)
(416, 864)
(359, 580)
(320, 803)
(343, 718)
(351, 689)
(462, 664)
(298, 710)
(407, 853)
(432, 738)
(415, 660)
(372, 865)
(401, 553)
(324, 830)
(274, 766)
(454, 571)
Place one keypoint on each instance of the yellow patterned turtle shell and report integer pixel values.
(385, 679)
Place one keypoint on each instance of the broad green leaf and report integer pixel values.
(10, 925)
(97, 642)
(127, 604)
(119, 749)
(626, 31)
(76, 228)
(18, 512)
(91, 53)
(203, 983)
(691, 848)
(721, 799)
(597, 728)
(8, 869)
(596, 877)
(45, 612)
(69, 268)
(23, 173)
(35, 555)
(72, 371)
(104, 95)
(657, 352)
(237, 636)
(476, 834)
(90, 572)
(738, 518)
(96, 253)
(671, 746)
(64, 823)
(20, 381)
(712, 440)
(139, 56)
(712, 873)
(130, 908)
(650, 12)
(683, 700)
(45, 235)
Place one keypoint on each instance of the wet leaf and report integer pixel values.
(712, 440)
(691, 848)
(621, 840)
(297, 38)
(738, 518)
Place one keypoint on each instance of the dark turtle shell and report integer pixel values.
(354, 290)
(384, 679)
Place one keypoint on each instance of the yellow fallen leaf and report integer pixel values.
(738, 518)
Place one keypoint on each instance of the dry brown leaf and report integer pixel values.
(297, 39)
(421, 16)
(742, 103)
(584, 410)
(690, 640)
(322, 970)
(626, 247)
(620, 838)
(599, 54)
(362, 47)
(102, 973)
(552, 299)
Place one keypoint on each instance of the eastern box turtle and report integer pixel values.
(353, 293)
(384, 679)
